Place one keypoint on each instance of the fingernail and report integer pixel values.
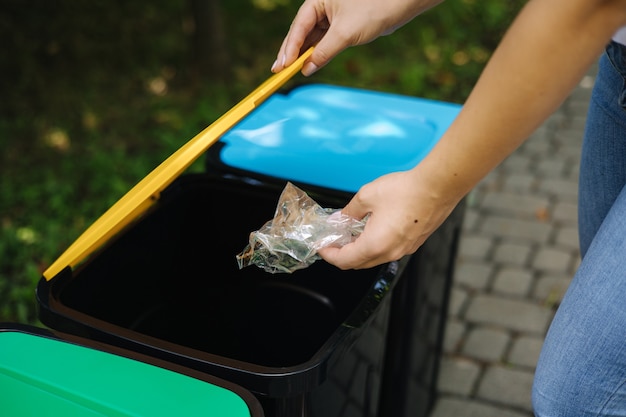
(284, 59)
(309, 69)
(274, 65)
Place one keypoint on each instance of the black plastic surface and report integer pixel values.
(170, 287)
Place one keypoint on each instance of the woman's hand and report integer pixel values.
(404, 211)
(334, 25)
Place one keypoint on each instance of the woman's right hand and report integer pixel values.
(334, 25)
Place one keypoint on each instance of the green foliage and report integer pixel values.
(95, 94)
(438, 55)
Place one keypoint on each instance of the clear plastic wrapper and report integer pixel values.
(300, 228)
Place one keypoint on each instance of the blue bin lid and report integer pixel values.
(336, 137)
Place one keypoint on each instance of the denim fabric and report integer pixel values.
(582, 366)
(603, 160)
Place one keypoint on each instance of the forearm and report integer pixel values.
(544, 54)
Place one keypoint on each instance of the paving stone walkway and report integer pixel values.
(518, 252)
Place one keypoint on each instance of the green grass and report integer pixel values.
(96, 94)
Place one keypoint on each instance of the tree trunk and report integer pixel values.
(211, 55)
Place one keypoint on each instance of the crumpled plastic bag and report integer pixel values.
(300, 228)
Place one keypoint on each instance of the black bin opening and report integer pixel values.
(173, 276)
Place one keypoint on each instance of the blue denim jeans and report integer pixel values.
(582, 366)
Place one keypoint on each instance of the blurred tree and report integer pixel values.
(211, 52)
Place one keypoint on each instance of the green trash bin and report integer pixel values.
(43, 374)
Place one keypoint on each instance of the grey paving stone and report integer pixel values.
(486, 344)
(550, 289)
(507, 386)
(511, 253)
(519, 182)
(475, 247)
(574, 172)
(536, 144)
(515, 281)
(565, 212)
(472, 274)
(551, 167)
(576, 120)
(516, 229)
(457, 376)
(583, 92)
(567, 237)
(573, 167)
(455, 329)
(525, 351)
(459, 407)
(518, 205)
(570, 143)
(516, 162)
(471, 220)
(574, 125)
(492, 180)
(553, 259)
(566, 190)
(517, 315)
(576, 261)
(457, 301)
(542, 134)
(556, 120)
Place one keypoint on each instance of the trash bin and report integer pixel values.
(318, 342)
(42, 374)
(169, 287)
(340, 138)
(417, 324)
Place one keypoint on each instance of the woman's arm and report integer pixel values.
(546, 51)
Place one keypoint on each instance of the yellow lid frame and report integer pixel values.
(147, 191)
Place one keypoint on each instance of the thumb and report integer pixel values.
(356, 208)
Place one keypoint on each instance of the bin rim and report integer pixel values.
(260, 379)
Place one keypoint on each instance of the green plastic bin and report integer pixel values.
(43, 375)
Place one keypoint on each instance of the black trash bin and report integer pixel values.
(341, 138)
(309, 343)
(417, 324)
(318, 342)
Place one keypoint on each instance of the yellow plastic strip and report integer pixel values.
(147, 191)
